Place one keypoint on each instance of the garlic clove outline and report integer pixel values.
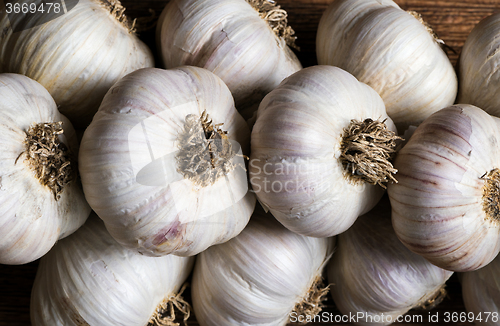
(306, 131)
(162, 163)
(90, 279)
(481, 294)
(235, 40)
(77, 57)
(444, 204)
(41, 200)
(267, 275)
(375, 277)
(478, 73)
(393, 51)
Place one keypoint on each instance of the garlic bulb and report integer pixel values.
(481, 294)
(321, 144)
(77, 56)
(393, 51)
(376, 278)
(90, 279)
(162, 162)
(478, 66)
(445, 204)
(266, 275)
(41, 199)
(242, 42)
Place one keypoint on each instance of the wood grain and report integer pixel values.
(451, 20)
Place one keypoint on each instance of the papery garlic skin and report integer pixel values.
(76, 57)
(90, 279)
(129, 169)
(374, 275)
(438, 204)
(391, 51)
(481, 293)
(294, 168)
(259, 276)
(229, 38)
(478, 66)
(31, 218)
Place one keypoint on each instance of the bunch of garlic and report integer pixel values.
(481, 294)
(266, 275)
(245, 43)
(478, 66)
(90, 279)
(375, 277)
(162, 162)
(41, 200)
(321, 149)
(77, 56)
(393, 51)
(445, 204)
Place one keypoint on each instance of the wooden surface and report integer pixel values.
(451, 20)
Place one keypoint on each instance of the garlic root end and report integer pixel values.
(48, 156)
(165, 312)
(277, 20)
(366, 150)
(312, 303)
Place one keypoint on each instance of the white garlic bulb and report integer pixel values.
(321, 144)
(445, 204)
(162, 162)
(478, 66)
(242, 42)
(90, 279)
(78, 56)
(266, 275)
(481, 294)
(376, 278)
(393, 51)
(41, 199)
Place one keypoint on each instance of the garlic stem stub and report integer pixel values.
(245, 43)
(41, 200)
(478, 66)
(375, 277)
(77, 56)
(267, 275)
(445, 204)
(393, 51)
(321, 151)
(481, 294)
(90, 279)
(163, 163)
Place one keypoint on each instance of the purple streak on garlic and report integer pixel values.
(444, 205)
